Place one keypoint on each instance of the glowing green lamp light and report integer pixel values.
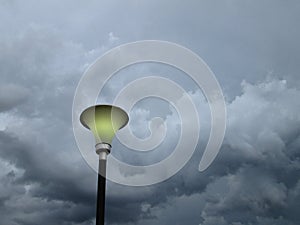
(104, 121)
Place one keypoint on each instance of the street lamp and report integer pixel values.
(103, 121)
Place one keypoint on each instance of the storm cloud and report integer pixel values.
(252, 47)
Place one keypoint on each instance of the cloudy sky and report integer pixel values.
(251, 46)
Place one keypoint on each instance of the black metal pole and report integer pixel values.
(101, 193)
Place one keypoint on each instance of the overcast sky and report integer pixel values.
(251, 46)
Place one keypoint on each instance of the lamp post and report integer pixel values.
(103, 121)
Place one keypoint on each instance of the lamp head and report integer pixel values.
(104, 121)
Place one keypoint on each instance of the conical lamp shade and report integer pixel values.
(104, 121)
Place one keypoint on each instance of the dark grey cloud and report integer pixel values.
(45, 47)
(36, 182)
(12, 95)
